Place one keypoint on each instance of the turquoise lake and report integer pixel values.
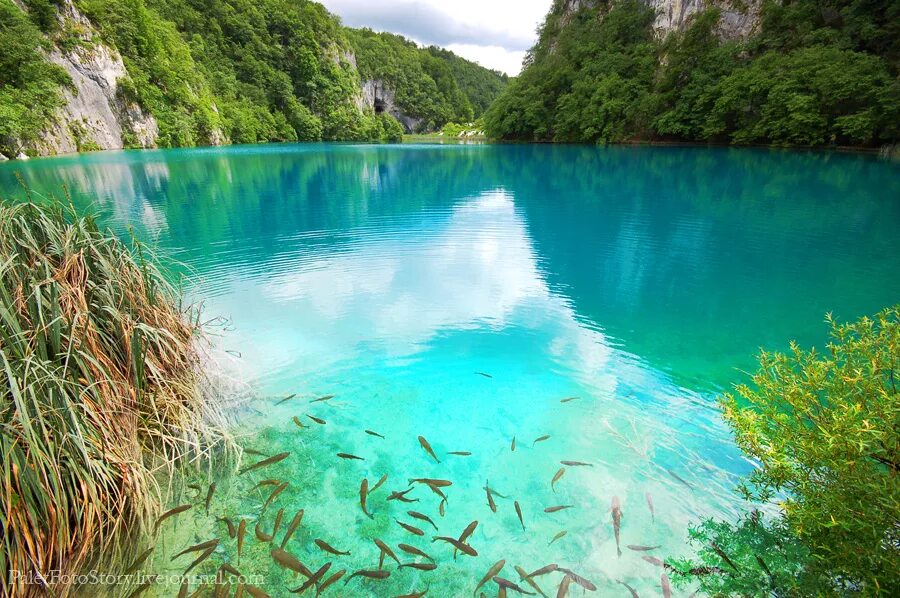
(460, 293)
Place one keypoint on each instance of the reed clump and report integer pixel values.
(103, 396)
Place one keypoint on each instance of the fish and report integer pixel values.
(198, 547)
(333, 579)
(577, 463)
(269, 461)
(349, 456)
(557, 508)
(209, 495)
(241, 531)
(369, 573)
(634, 593)
(466, 533)
(650, 506)
(569, 399)
(519, 514)
(378, 484)
(419, 566)
(639, 548)
(664, 584)
(278, 490)
(171, 513)
(329, 548)
(411, 529)
(371, 433)
(437, 490)
(564, 587)
(295, 522)
(506, 584)
(491, 503)
(679, 478)
(558, 536)
(512, 446)
(401, 496)
(523, 575)
(587, 585)
(724, 556)
(428, 448)
(421, 517)
(229, 569)
(556, 477)
(318, 420)
(543, 570)
(299, 423)
(460, 453)
(278, 517)
(457, 544)
(313, 580)
(492, 572)
(205, 555)
(616, 510)
(289, 561)
(286, 399)
(653, 561)
(494, 492)
(138, 561)
(261, 535)
(483, 374)
(385, 549)
(413, 550)
(269, 482)
(540, 439)
(251, 451)
(442, 507)
(414, 594)
(363, 493)
(182, 593)
(231, 529)
(431, 482)
(321, 399)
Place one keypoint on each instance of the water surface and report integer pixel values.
(640, 280)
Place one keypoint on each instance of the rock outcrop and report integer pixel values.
(381, 98)
(94, 115)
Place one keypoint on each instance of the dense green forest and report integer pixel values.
(246, 70)
(814, 73)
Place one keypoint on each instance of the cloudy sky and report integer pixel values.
(494, 33)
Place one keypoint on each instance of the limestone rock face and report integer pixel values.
(380, 97)
(739, 18)
(94, 115)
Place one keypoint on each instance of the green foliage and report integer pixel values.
(30, 87)
(479, 85)
(816, 73)
(767, 559)
(401, 66)
(825, 432)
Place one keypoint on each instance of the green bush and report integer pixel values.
(824, 430)
(30, 87)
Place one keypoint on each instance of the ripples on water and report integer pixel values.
(637, 279)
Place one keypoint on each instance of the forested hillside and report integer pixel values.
(197, 72)
(809, 73)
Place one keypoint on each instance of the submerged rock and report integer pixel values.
(22, 156)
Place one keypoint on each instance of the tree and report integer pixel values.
(825, 432)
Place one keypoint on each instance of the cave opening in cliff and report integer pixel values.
(379, 106)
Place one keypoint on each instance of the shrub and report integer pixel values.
(825, 432)
(101, 391)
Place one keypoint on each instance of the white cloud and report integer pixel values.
(494, 33)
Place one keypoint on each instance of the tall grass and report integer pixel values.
(103, 395)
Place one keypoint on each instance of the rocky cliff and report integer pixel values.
(94, 116)
(738, 18)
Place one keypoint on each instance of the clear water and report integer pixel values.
(641, 280)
